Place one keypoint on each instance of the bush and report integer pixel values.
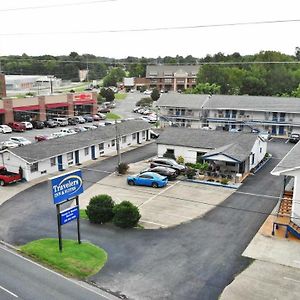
(224, 181)
(190, 173)
(147, 101)
(126, 215)
(155, 94)
(180, 160)
(122, 168)
(100, 209)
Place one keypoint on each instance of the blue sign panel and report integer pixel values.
(69, 215)
(66, 186)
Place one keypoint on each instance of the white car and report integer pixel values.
(55, 135)
(8, 144)
(5, 129)
(68, 131)
(21, 141)
(27, 125)
(147, 92)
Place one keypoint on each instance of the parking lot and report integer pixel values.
(177, 203)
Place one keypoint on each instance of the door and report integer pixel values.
(138, 138)
(77, 157)
(281, 130)
(274, 130)
(59, 163)
(93, 152)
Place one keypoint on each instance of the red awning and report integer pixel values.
(2, 111)
(56, 105)
(25, 108)
(84, 102)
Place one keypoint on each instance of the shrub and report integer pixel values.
(224, 181)
(122, 168)
(180, 160)
(190, 173)
(155, 94)
(126, 215)
(100, 209)
(147, 101)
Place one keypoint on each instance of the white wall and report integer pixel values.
(296, 200)
(259, 150)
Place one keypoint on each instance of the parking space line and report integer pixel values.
(153, 197)
(291, 279)
(9, 292)
(153, 223)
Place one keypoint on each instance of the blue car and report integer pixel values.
(148, 179)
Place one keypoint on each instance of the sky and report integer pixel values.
(60, 30)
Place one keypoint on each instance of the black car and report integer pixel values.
(72, 121)
(153, 134)
(88, 118)
(294, 138)
(167, 162)
(50, 123)
(38, 124)
(164, 171)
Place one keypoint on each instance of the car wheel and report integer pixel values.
(131, 182)
(154, 185)
(2, 183)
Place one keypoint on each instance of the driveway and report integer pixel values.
(196, 260)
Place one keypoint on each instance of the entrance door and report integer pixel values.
(93, 152)
(138, 138)
(273, 129)
(77, 157)
(281, 130)
(59, 163)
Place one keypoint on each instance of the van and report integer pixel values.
(61, 121)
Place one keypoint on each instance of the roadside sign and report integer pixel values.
(66, 186)
(69, 215)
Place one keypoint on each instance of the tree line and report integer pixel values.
(265, 73)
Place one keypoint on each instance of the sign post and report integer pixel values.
(65, 188)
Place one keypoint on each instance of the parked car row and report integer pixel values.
(160, 172)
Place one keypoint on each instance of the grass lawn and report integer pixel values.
(75, 260)
(83, 214)
(112, 116)
(119, 96)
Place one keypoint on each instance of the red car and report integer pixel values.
(7, 177)
(17, 126)
(40, 138)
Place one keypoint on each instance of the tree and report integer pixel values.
(113, 77)
(155, 94)
(204, 88)
(108, 94)
(100, 209)
(126, 215)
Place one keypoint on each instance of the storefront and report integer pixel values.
(26, 113)
(83, 104)
(56, 110)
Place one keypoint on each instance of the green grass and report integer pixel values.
(83, 214)
(119, 96)
(112, 116)
(77, 260)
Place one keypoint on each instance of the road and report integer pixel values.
(193, 261)
(21, 278)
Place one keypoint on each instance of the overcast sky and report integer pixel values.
(136, 14)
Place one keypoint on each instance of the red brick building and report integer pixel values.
(2, 86)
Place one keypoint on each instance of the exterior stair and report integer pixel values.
(294, 229)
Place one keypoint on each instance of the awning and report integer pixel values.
(2, 111)
(56, 105)
(26, 108)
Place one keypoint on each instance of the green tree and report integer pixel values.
(114, 76)
(100, 209)
(155, 94)
(126, 215)
(108, 94)
(204, 88)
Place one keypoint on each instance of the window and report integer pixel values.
(34, 167)
(231, 164)
(260, 150)
(101, 146)
(53, 161)
(86, 151)
(134, 136)
(253, 156)
(70, 158)
(113, 143)
(123, 139)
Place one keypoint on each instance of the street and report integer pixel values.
(196, 260)
(21, 278)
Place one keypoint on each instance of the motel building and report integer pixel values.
(51, 156)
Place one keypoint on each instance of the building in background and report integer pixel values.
(172, 78)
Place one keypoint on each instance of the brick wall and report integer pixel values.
(2, 86)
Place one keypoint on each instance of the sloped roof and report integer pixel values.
(159, 70)
(46, 149)
(237, 145)
(233, 102)
(179, 100)
(290, 162)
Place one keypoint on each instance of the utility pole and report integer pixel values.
(118, 145)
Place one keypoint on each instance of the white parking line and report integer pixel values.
(9, 292)
(161, 225)
(291, 279)
(164, 190)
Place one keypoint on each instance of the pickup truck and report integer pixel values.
(7, 177)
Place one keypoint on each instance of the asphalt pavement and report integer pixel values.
(21, 278)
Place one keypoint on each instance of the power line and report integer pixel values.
(55, 5)
(154, 28)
